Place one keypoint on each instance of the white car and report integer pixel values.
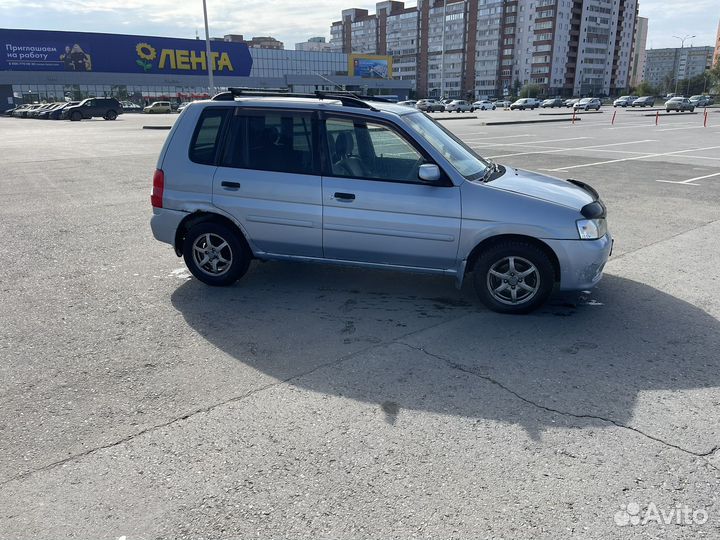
(624, 101)
(484, 105)
(585, 104)
(525, 103)
(158, 107)
(459, 105)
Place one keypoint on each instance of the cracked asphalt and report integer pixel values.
(321, 402)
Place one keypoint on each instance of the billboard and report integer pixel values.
(370, 66)
(35, 50)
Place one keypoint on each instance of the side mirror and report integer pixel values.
(429, 172)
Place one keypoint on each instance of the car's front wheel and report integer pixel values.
(215, 254)
(76, 116)
(513, 277)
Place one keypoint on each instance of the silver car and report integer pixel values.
(335, 178)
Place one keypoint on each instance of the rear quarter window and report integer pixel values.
(206, 138)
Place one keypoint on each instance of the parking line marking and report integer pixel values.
(631, 159)
(493, 138)
(689, 181)
(530, 142)
(569, 149)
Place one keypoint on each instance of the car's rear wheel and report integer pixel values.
(110, 115)
(215, 254)
(76, 116)
(513, 277)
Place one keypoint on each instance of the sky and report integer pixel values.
(290, 22)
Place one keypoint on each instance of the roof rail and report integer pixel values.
(348, 99)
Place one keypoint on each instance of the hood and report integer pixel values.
(540, 186)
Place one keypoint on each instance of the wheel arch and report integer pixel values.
(493, 240)
(197, 217)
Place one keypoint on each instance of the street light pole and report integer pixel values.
(682, 46)
(207, 51)
(442, 53)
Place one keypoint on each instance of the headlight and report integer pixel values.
(591, 229)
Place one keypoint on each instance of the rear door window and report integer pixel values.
(278, 141)
(205, 141)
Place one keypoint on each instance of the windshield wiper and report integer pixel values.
(491, 169)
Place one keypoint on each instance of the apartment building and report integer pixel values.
(637, 64)
(716, 56)
(664, 67)
(493, 47)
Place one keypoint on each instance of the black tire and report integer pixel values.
(236, 253)
(542, 279)
(110, 115)
(76, 116)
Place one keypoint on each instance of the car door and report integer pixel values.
(375, 209)
(88, 108)
(268, 179)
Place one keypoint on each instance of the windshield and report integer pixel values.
(461, 157)
(584, 100)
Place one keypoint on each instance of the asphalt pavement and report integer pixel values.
(319, 402)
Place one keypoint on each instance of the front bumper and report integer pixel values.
(581, 261)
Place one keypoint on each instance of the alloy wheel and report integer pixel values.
(212, 254)
(513, 280)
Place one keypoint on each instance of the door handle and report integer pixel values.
(347, 197)
(230, 185)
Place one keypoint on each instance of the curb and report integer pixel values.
(455, 118)
(562, 113)
(671, 114)
(543, 121)
(157, 127)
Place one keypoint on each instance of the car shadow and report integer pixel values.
(399, 341)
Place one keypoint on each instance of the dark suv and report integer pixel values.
(107, 108)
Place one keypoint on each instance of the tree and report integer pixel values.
(530, 91)
(645, 89)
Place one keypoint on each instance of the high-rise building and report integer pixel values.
(665, 67)
(637, 63)
(491, 47)
(316, 44)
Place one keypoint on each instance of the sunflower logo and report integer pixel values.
(147, 53)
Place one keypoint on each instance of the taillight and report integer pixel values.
(156, 198)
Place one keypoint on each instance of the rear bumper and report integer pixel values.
(164, 224)
(581, 261)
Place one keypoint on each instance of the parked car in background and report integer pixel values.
(552, 103)
(35, 112)
(644, 101)
(130, 107)
(679, 104)
(430, 105)
(182, 105)
(525, 103)
(586, 104)
(23, 112)
(408, 103)
(484, 105)
(278, 192)
(624, 101)
(571, 102)
(44, 114)
(56, 114)
(459, 105)
(158, 107)
(504, 103)
(701, 101)
(107, 108)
